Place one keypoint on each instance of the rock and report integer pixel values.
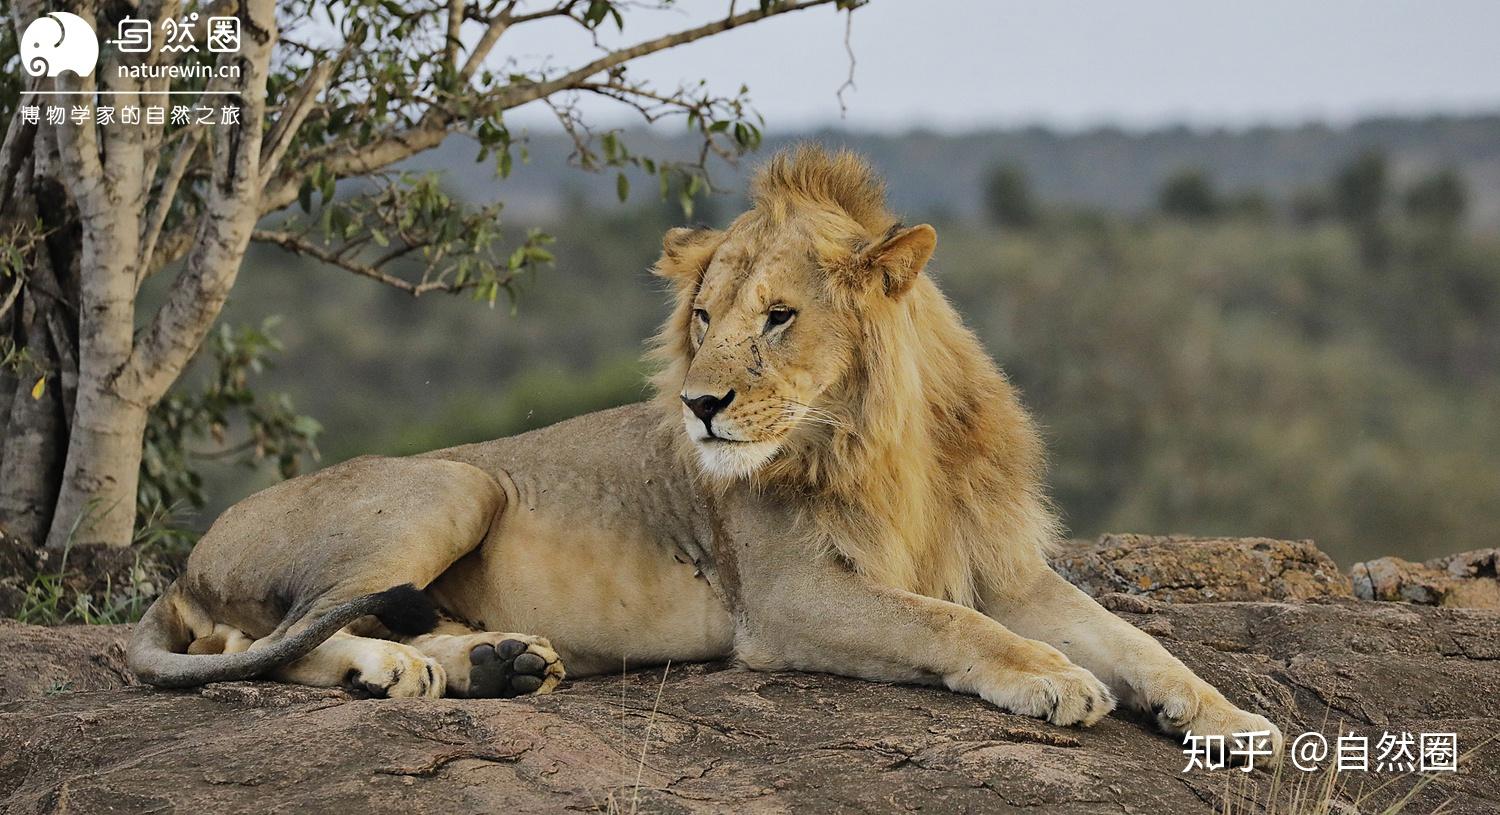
(1194, 570)
(713, 738)
(36, 661)
(1464, 580)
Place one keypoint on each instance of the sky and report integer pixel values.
(957, 65)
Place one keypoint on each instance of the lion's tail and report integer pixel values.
(157, 651)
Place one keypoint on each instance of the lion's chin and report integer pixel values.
(733, 460)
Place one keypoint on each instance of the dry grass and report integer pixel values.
(615, 801)
(1327, 792)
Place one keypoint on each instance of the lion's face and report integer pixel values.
(771, 319)
(765, 342)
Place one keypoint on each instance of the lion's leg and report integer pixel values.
(224, 639)
(488, 664)
(1140, 671)
(824, 617)
(380, 667)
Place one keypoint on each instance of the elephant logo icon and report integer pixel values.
(59, 42)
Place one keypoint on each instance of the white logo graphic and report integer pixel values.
(59, 42)
(180, 34)
(134, 36)
(224, 35)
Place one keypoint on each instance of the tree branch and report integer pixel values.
(482, 48)
(514, 97)
(285, 130)
(300, 245)
(451, 44)
(346, 160)
(19, 137)
(349, 157)
(168, 192)
(228, 216)
(10, 299)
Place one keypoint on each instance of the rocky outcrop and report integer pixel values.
(38, 662)
(1464, 580)
(1195, 570)
(77, 734)
(1178, 569)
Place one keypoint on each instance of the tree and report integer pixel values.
(1008, 199)
(1440, 199)
(323, 93)
(1360, 189)
(1189, 194)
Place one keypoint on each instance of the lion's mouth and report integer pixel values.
(724, 452)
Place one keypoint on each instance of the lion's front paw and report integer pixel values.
(1208, 715)
(491, 665)
(1065, 695)
(393, 670)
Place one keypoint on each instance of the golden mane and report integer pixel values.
(928, 478)
(808, 178)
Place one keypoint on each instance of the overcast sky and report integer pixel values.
(962, 64)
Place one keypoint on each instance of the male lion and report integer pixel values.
(833, 476)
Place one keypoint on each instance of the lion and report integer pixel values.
(832, 476)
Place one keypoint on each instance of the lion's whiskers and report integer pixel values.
(811, 415)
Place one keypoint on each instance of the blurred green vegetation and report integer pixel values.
(1322, 364)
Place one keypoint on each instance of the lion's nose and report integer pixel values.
(706, 406)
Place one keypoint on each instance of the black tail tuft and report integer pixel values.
(407, 610)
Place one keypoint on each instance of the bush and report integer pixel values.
(1007, 198)
(1188, 194)
(1441, 199)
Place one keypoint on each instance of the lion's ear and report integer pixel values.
(903, 256)
(685, 253)
(895, 261)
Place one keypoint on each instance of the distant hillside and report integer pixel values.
(935, 174)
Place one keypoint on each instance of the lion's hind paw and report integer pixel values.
(512, 668)
(491, 665)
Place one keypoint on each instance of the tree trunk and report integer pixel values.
(97, 501)
(41, 321)
(30, 453)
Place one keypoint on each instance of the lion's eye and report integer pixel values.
(779, 315)
(700, 315)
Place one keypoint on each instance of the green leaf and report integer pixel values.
(596, 13)
(622, 187)
(307, 426)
